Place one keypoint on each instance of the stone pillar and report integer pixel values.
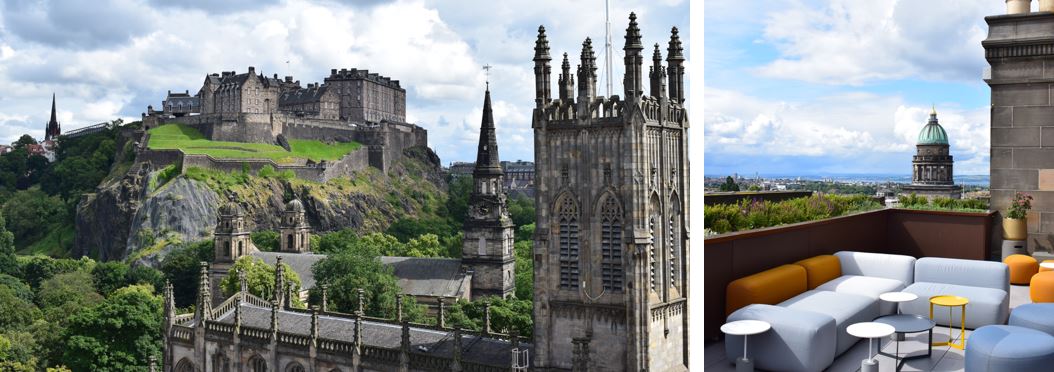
(237, 339)
(399, 308)
(356, 355)
(486, 318)
(542, 89)
(404, 349)
(325, 298)
(455, 366)
(1019, 6)
(441, 316)
(242, 284)
(314, 326)
(362, 302)
(274, 320)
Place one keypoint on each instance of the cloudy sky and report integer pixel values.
(842, 86)
(111, 58)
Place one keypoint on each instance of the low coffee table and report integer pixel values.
(908, 323)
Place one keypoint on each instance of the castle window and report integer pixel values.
(611, 245)
(568, 244)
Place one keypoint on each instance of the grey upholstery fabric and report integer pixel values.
(1039, 317)
(881, 265)
(971, 273)
(799, 340)
(845, 308)
(999, 348)
(987, 306)
(866, 286)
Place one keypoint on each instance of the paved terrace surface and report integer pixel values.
(944, 358)
(474, 348)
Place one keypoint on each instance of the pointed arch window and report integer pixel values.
(257, 364)
(674, 240)
(184, 365)
(568, 241)
(611, 244)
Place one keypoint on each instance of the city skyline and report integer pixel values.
(106, 72)
(843, 87)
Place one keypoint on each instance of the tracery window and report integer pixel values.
(673, 241)
(611, 244)
(257, 364)
(295, 367)
(184, 365)
(568, 217)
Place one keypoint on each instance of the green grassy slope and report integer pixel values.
(191, 141)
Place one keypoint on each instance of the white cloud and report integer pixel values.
(856, 42)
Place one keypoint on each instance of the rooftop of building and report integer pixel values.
(437, 277)
(356, 74)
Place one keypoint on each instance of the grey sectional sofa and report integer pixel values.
(985, 283)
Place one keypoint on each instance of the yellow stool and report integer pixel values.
(1041, 288)
(1022, 268)
(952, 301)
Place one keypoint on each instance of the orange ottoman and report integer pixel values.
(1022, 268)
(1041, 288)
(1042, 269)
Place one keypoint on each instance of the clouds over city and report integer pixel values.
(844, 85)
(112, 58)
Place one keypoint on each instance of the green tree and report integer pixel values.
(23, 141)
(109, 276)
(405, 229)
(20, 289)
(30, 214)
(457, 198)
(259, 278)
(67, 293)
(182, 268)
(143, 274)
(8, 263)
(265, 240)
(354, 269)
(336, 242)
(505, 315)
(18, 352)
(524, 270)
(426, 245)
(729, 185)
(15, 312)
(116, 335)
(521, 209)
(37, 269)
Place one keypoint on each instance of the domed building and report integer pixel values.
(931, 174)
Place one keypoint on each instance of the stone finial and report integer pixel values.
(633, 37)
(541, 46)
(486, 318)
(675, 52)
(279, 279)
(237, 314)
(274, 319)
(314, 325)
(361, 294)
(587, 72)
(325, 297)
(243, 285)
(153, 363)
(566, 81)
(658, 75)
(405, 341)
(203, 308)
(289, 293)
(399, 307)
(358, 332)
(457, 347)
(441, 315)
(169, 311)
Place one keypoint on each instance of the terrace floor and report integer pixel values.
(944, 358)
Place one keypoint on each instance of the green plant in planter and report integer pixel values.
(1020, 206)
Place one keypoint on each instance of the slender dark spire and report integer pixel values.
(587, 73)
(203, 308)
(542, 93)
(675, 60)
(658, 74)
(53, 129)
(633, 81)
(487, 162)
(567, 80)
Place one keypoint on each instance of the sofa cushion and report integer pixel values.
(821, 269)
(971, 273)
(987, 306)
(845, 308)
(881, 265)
(1039, 317)
(798, 341)
(866, 286)
(770, 287)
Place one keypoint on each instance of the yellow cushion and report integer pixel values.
(769, 287)
(821, 269)
(1022, 268)
(1041, 287)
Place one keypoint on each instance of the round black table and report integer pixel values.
(908, 323)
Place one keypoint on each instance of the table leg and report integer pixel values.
(743, 364)
(745, 347)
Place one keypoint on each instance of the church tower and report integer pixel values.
(295, 234)
(231, 241)
(53, 130)
(611, 243)
(488, 241)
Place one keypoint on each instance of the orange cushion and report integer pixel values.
(1042, 269)
(1041, 287)
(767, 287)
(1022, 268)
(821, 269)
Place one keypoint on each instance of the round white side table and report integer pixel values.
(745, 328)
(897, 298)
(870, 331)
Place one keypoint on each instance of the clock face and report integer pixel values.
(481, 211)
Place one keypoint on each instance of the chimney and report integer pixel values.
(332, 71)
(252, 70)
(1020, 6)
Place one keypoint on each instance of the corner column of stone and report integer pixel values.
(1020, 50)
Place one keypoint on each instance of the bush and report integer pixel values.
(913, 201)
(756, 214)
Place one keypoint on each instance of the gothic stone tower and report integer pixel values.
(487, 249)
(231, 241)
(931, 173)
(1020, 50)
(611, 244)
(295, 234)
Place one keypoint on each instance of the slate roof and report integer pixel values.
(474, 348)
(301, 96)
(415, 276)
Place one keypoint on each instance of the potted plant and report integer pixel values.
(1015, 226)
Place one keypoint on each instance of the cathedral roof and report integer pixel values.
(933, 133)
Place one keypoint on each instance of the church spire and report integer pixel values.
(487, 162)
(53, 130)
(633, 81)
(675, 59)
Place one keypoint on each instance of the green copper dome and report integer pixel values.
(933, 133)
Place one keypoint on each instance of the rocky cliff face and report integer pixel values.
(125, 218)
